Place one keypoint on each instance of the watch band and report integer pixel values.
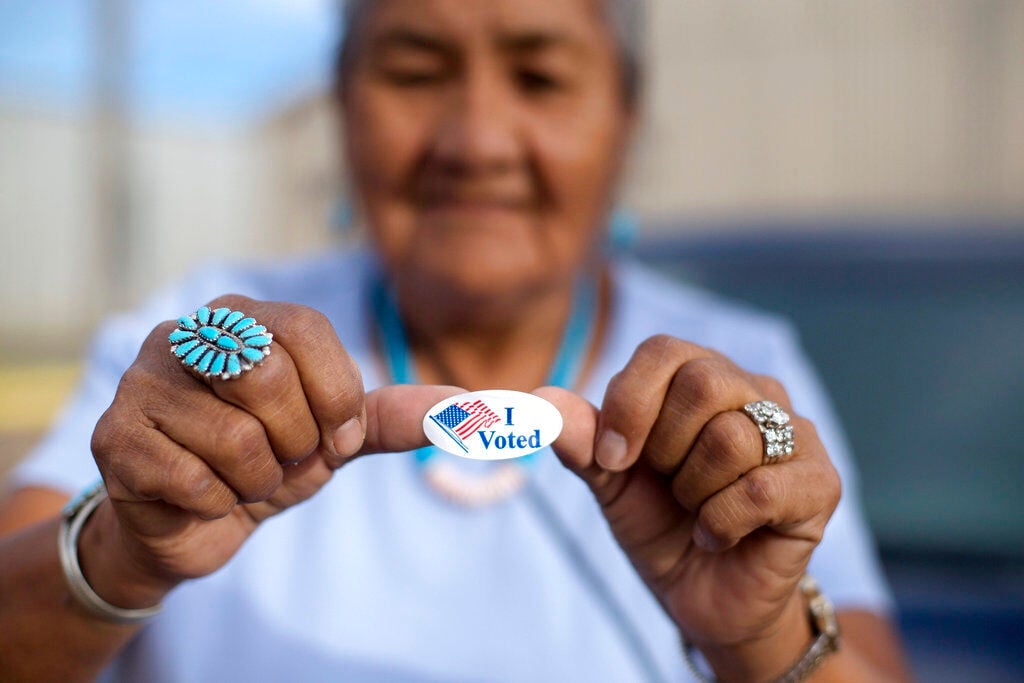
(823, 623)
(74, 516)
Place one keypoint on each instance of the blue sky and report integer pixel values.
(213, 61)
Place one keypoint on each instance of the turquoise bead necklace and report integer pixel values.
(509, 476)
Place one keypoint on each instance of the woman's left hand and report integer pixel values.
(720, 539)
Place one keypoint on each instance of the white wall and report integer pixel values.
(193, 196)
(873, 106)
(48, 247)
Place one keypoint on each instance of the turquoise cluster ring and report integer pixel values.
(220, 343)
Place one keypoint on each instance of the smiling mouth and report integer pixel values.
(476, 206)
(474, 201)
(474, 196)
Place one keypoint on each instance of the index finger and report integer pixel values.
(329, 379)
(634, 397)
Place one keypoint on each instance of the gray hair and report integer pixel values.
(625, 17)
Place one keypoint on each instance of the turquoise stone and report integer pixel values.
(254, 330)
(233, 318)
(219, 342)
(217, 366)
(252, 355)
(209, 333)
(186, 347)
(258, 342)
(179, 336)
(242, 324)
(219, 315)
(204, 363)
(193, 357)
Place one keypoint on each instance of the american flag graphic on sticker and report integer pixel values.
(461, 420)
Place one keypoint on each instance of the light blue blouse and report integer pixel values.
(376, 578)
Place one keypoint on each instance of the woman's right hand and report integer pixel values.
(192, 466)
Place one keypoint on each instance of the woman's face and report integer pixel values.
(484, 138)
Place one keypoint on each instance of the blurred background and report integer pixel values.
(857, 166)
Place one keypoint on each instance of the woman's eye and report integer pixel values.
(409, 78)
(533, 81)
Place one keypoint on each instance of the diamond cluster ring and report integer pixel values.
(773, 422)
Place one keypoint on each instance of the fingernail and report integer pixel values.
(348, 438)
(611, 450)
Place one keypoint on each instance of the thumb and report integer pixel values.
(394, 416)
(575, 445)
(393, 420)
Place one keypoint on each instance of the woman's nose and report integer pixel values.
(479, 130)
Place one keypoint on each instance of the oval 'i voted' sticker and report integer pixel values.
(496, 424)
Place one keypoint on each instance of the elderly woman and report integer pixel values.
(484, 139)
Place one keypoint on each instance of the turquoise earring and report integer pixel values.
(623, 227)
(341, 219)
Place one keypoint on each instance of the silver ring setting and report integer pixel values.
(776, 431)
(220, 342)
